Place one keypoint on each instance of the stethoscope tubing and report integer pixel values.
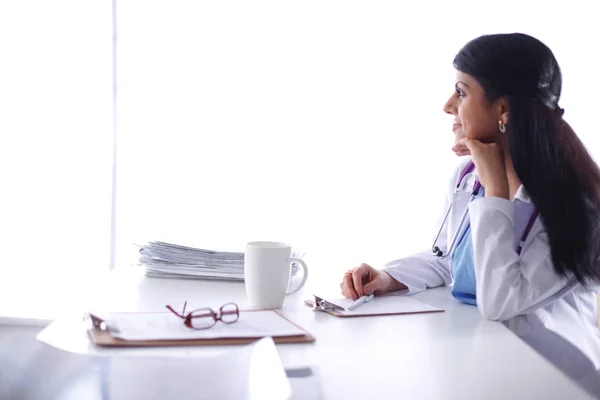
(436, 251)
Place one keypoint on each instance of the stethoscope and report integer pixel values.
(476, 188)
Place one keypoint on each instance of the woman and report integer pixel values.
(528, 252)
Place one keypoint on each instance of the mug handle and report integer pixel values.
(304, 276)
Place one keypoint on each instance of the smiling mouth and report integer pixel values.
(455, 127)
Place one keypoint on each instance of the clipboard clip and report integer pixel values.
(321, 304)
(98, 324)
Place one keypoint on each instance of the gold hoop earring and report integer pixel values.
(501, 126)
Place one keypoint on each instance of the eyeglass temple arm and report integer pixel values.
(176, 313)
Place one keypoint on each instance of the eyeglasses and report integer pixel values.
(204, 318)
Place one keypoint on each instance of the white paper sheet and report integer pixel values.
(33, 370)
(164, 326)
(384, 304)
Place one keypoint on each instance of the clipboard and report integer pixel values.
(100, 334)
(379, 306)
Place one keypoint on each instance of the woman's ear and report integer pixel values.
(504, 110)
(505, 118)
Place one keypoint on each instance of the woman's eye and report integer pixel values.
(460, 93)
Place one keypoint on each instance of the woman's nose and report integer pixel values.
(450, 107)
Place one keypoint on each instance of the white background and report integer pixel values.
(55, 151)
(318, 123)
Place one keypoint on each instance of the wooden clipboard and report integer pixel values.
(427, 308)
(103, 337)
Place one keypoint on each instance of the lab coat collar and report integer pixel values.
(522, 194)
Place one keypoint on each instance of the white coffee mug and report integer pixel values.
(267, 272)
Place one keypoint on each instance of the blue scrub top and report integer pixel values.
(463, 270)
(463, 267)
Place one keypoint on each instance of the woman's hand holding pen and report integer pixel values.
(365, 280)
(490, 164)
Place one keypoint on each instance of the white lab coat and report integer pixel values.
(554, 315)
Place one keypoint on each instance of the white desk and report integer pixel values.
(450, 355)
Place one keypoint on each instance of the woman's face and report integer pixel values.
(474, 117)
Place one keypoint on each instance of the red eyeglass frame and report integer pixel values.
(216, 316)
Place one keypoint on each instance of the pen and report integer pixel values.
(361, 300)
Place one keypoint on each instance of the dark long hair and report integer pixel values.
(554, 166)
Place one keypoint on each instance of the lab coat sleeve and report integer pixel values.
(509, 285)
(424, 270)
(420, 271)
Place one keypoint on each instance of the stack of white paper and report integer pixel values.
(166, 260)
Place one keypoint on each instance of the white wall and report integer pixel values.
(319, 123)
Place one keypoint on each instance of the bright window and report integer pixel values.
(318, 123)
(56, 152)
